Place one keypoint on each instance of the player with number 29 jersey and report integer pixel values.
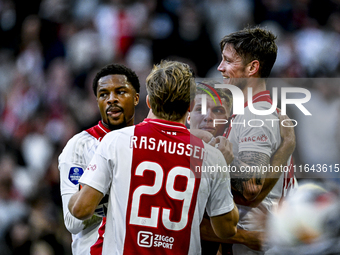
(158, 191)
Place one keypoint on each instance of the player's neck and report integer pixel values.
(151, 115)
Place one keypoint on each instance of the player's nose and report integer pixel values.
(112, 98)
(220, 67)
(209, 117)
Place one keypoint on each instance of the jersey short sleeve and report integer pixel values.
(98, 174)
(73, 161)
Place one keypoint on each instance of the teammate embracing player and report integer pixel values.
(247, 59)
(202, 125)
(116, 88)
(156, 199)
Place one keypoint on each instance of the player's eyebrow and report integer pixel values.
(102, 89)
(122, 86)
(105, 88)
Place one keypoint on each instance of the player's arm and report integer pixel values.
(224, 226)
(280, 158)
(202, 134)
(67, 188)
(72, 224)
(84, 202)
(248, 179)
(252, 239)
(220, 206)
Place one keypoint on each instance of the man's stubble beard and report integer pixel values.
(119, 126)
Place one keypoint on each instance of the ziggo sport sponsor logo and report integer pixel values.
(149, 239)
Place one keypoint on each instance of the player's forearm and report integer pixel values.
(224, 225)
(281, 156)
(252, 239)
(78, 209)
(83, 203)
(248, 178)
(279, 159)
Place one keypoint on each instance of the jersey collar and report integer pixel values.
(103, 128)
(98, 131)
(263, 96)
(165, 123)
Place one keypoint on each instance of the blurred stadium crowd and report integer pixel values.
(50, 51)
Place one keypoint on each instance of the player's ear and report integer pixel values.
(191, 107)
(253, 68)
(136, 99)
(148, 101)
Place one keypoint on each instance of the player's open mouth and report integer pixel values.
(114, 112)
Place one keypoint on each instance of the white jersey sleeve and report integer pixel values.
(74, 159)
(220, 200)
(71, 163)
(101, 180)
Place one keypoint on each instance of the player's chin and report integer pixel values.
(210, 130)
(116, 121)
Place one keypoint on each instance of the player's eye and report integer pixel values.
(197, 108)
(219, 110)
(225, 59)
(121, 92)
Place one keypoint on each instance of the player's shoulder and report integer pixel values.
(80, 139)
(119, 133)
(78, 142)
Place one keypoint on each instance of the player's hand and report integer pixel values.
(92, 221)
(287, 133)
(202, 134)
(101, 209)
(225, 146)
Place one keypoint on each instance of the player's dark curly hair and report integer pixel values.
(113, 69)
(254, 44)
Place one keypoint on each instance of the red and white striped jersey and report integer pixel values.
(260, 133)
(73, 160)
(158, 188)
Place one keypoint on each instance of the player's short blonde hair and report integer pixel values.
(171, 87)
